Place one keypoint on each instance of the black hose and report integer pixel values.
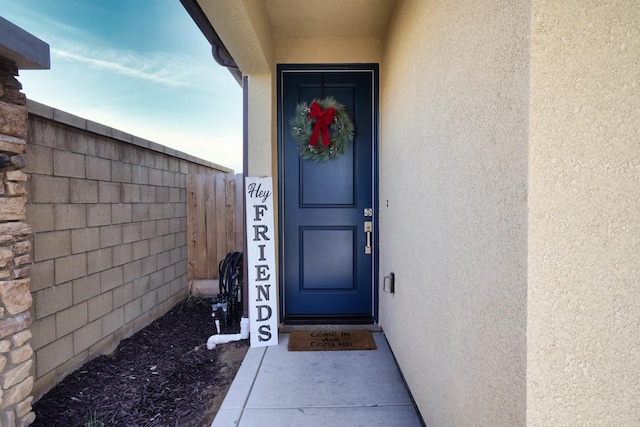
(228, 269)
(230, 280)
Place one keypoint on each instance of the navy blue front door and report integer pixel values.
(327, 274)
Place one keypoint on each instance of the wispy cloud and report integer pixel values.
(163, 86)
(161, 68)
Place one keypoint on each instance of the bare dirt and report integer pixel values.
(161, 376)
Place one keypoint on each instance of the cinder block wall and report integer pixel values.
(108, 212)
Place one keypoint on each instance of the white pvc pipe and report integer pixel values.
(244, 328)
(223, 339)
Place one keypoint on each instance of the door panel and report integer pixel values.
(326, 276)
(316, 178)
(315, 274)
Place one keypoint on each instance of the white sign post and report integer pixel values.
(261, 262)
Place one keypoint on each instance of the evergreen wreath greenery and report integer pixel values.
(331, 137)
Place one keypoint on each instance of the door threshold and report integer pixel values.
(345, 327)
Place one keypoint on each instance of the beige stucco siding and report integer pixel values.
(244, 29)
(453, 213)
(509, 194)
(584, 248)
(327, 50)
(261, 130)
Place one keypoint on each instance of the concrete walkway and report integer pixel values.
(278, 388)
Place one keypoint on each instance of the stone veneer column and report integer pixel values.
(18, 50)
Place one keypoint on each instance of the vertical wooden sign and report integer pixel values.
(263, 319)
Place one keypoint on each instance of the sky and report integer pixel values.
(140, 66)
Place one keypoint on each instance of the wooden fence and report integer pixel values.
(215, 214)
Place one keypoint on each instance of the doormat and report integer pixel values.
(331, 340)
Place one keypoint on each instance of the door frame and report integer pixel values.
(283, 127)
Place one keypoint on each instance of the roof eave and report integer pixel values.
(218, 49)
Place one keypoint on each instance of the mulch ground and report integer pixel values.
(161, 376)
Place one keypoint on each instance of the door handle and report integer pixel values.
(368, 230)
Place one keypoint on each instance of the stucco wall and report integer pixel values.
(109, 218)
(509, 200)
(261, 110)
(328, 50)
(453, 206)
(244, 30)
(584, 221)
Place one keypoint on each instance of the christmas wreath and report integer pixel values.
(322, 130)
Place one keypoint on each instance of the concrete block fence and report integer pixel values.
(108, 215)
(93, 234)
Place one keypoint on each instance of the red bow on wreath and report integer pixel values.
(324, 118)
